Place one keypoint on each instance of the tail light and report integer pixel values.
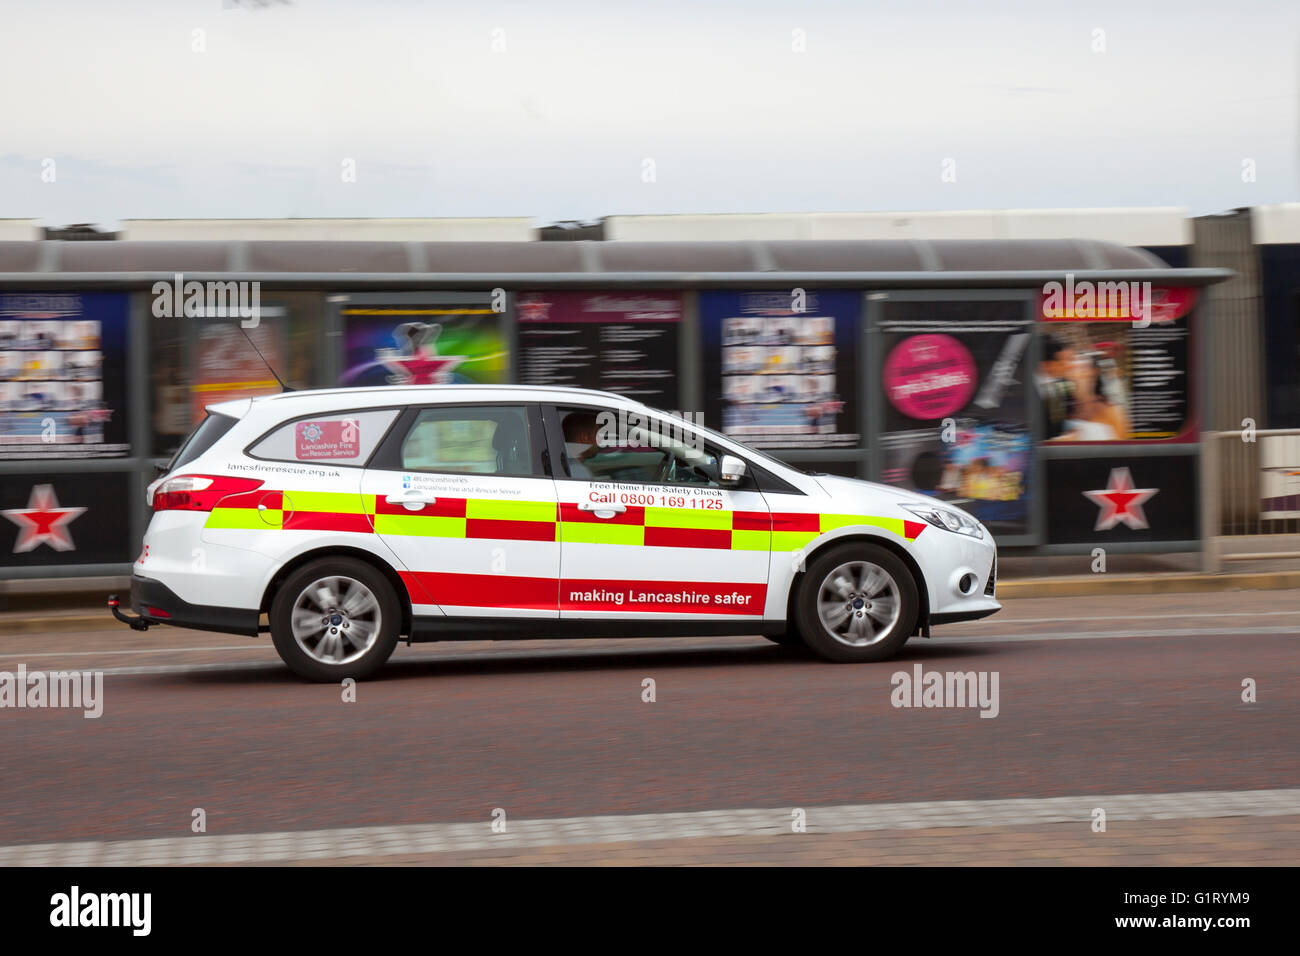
(199, 492)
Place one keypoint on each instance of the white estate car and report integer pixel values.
(354, 517)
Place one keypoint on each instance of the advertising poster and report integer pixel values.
(63, 375)
(64, 519)
(1106, 375)
(779, 368)
(1102, 500)
(1279, 477)
(623, 342)
(956, 423)
(229, 367)
(424, 344)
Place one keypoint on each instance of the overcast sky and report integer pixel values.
(563, 110)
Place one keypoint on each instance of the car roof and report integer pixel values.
(385, 395)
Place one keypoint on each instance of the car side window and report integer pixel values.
(604, 446)
(344, 438)
(486, 440)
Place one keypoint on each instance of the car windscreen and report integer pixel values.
(201, 439)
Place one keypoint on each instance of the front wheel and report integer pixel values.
(856, 603)
(335, 618)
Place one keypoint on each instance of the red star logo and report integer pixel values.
(419, 362)
(424, 367)
(534, 310)
(43, 521)
(1120, 501)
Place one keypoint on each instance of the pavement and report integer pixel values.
(546, 752)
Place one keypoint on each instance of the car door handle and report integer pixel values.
(411, 500)
(601, 508)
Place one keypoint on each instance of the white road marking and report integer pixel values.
(1102, 635)
(1002, 621)
(462, 837)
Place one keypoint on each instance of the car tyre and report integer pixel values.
(335, 618)
(857, 603)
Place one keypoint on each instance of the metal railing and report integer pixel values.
(1250, 496)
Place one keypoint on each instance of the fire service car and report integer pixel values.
(343, 520)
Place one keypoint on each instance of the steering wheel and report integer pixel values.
(666, 472)
(692, 475)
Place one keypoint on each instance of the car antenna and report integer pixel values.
(283, 387)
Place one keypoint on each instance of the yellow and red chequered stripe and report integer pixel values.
(504, 519)
(724, 530)
(292, 511)
(468, 518)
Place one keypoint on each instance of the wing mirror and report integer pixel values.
(733, 469)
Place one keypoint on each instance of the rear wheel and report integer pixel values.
(335, 618)
(857, 602)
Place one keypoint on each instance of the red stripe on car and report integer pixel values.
(795, 521)
(483, 590)
(251, 499)
(326, 521)
(512, 530)
(441, 508)
(687, 538)
(571, 512)
(751, 521)
(691, 597)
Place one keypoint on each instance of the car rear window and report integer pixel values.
(201, 439)
(343, 438)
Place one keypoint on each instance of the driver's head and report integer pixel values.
(580, 428)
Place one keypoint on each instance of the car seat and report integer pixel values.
(512, 451)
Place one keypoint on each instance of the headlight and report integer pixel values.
(956, 521)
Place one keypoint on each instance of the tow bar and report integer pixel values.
(135, 622)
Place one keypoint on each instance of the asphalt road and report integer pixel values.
(1131, 695)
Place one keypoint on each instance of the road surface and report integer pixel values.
(1101, 704)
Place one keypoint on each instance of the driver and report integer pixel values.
(579, 442)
